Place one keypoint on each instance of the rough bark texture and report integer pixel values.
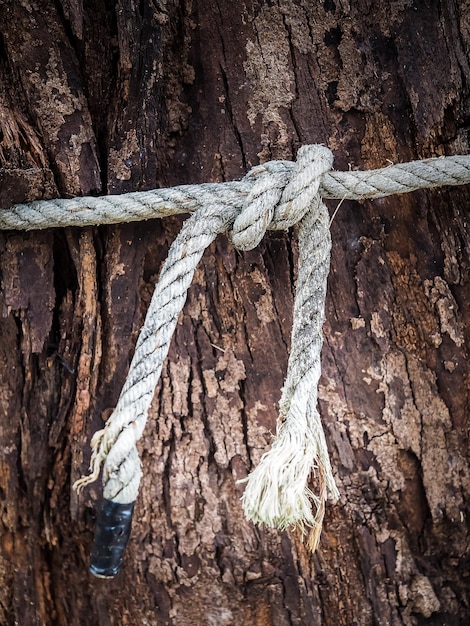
(117, 96)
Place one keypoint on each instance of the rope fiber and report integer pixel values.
(275, 195)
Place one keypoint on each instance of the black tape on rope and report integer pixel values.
(112, 532)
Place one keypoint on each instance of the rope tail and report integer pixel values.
(277, 492)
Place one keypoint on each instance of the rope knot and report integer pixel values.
(280, 196)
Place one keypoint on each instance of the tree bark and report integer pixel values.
(103, 97)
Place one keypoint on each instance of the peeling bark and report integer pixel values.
(113, 97)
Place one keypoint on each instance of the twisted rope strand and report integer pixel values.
(116, 443)
(277, 492)
(143, 205)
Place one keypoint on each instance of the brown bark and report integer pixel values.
(112, 97)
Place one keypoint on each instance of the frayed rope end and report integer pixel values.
(98, 457)
(277, 493)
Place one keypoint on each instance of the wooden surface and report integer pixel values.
(101, 97)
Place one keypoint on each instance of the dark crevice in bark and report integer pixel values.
(244, 420)
(166, 491)
(207, 428)
(228, 106)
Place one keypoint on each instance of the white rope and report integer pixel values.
(277, 492)
(114, 447)
(143, 205)
(275, 195)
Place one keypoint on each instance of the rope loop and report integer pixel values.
(280, 196)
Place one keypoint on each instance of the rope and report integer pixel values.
(275, 195)
(143, 205)
(276, 492)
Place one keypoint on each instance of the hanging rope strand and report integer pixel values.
(277, 492)
(114, 447)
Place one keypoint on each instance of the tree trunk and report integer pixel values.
(103, 97)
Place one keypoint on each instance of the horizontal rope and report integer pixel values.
(144, 205)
